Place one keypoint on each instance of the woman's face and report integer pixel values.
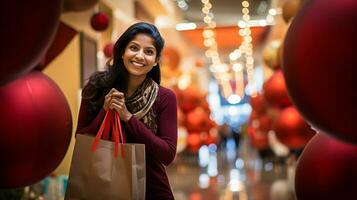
(140, 55)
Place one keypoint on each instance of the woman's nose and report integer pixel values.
(140, 54)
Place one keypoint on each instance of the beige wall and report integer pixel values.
(65, 71)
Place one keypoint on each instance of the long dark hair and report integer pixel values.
(116, 75)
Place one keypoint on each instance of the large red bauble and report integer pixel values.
(326, 170)
(275, 92)
(291, 129)
(319, 64)
(36, 129)
(27, 30)
(99, 21)
(78, 5)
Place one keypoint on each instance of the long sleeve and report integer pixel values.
(161, 146)
(89, 123)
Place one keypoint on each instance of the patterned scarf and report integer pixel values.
(140, 103)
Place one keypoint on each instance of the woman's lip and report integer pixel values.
(138, 64)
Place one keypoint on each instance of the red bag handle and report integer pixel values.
(121, 134)
(105, 126)
(117, 132)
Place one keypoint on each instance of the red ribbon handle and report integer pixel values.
(104, 127)
(118, 132)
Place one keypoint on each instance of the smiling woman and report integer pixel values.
(130, 87)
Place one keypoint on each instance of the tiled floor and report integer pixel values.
(228, 173)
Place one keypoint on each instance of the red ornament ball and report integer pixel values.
(198, 120)
(99, 21)
(275, 92)
(193, 142)
(258, 103)
(259, 139)
(189, 99)
(108, 50)
(291, 129)
(326, 170)
(36, 129)
(319, 64)
(27, 30)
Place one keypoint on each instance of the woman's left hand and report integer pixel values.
(117, 103)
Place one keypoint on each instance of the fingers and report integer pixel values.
(113, 90)
(117, 103)
(118, 94)
(119, 107)
(113, 93)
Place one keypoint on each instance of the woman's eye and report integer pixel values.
(149, 52)
(134, 48)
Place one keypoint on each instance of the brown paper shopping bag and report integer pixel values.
(97, 174)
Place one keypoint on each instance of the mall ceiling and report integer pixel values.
(226, 15)
(226, 12)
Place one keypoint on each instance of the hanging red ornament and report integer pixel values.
(36, 129)
(326, 170)
(258, 103)
(319, 65)
(26, 33)
(291, 129)
(99, 21)
(108, 50)
(275, 92)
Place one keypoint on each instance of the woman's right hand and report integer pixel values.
(108, 99)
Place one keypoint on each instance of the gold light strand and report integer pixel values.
(220, 70)
(208, 33)
(248, 47)
(239, 80)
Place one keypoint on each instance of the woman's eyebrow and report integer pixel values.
(136, 43)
